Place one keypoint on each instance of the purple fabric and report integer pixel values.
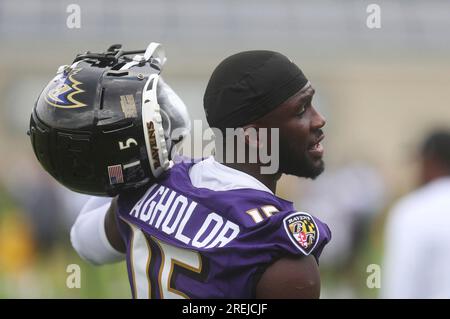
(230, 271)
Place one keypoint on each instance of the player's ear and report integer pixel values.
(252, 138)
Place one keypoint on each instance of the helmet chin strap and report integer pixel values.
(154, 52)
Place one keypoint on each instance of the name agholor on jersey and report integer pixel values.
(169, 212)
(185, 241)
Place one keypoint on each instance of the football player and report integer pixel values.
(199, 228)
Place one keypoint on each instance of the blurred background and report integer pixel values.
(382, 90)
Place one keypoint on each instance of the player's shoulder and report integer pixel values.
(301, 231)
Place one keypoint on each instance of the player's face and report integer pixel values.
(300, 128)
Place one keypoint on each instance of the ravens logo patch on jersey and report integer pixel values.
(302, 230)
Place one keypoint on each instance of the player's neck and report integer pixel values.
(269, 180)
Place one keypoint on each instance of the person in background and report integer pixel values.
(417, 240)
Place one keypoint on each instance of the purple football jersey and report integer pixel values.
(189, 242)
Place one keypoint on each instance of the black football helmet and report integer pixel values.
(108, 122)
